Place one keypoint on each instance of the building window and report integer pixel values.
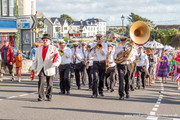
(4, 8)
(0, 7)
(11, 7)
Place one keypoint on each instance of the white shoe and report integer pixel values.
(19, 79)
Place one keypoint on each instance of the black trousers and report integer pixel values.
(124, 76)
(110, 78)
(116, 74)
(77, 70)
(99, 69)
(49, 81)
(90, 75)
(64, 73)
(140, 71)
(83, 73)
(132, 76)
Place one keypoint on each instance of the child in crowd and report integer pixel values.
(177, 77)
(173, 66)
(18, 60)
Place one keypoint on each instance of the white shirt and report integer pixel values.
(131, 57)
(83, 52)
(79, 58)
(111, 59)
(67, 57)
(90, 61)
(144, 61)
(100, 54)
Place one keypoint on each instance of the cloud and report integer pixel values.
(111, 10)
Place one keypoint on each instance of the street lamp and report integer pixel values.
(81, 28)
(122, 18)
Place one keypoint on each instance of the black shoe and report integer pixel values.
(138, 87)
(132, 89)
(93, 96)
(121, 98)
(101, 94)
(127, 96)
(61, 93)
(79, 88)
(40, 99)
(68, 93)
(112, 90)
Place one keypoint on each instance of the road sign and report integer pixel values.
(26, 22)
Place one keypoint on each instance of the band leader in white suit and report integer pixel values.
(46, 59)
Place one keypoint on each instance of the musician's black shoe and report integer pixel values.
(68, 93)
(101, 94)
(79, 87)
(121, 98)
(62, 92)
(127, 96)
(93, 96)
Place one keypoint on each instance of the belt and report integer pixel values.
(64, 64)
(99, 61)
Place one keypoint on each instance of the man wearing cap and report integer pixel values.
(89, 65)
(64, 68)
(7, 59)
(77, 58)
(83, 69)
(99, 53)
(110, 69)
(141, 67)
(124, 68)
(46, 60)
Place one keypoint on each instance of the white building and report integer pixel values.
(26, 7)
(57, 27)
(90, 27)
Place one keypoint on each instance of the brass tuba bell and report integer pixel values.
(61, 52)
(139, 34)
(99, 46)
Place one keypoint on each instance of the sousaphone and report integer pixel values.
(139, 34)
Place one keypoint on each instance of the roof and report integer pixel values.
(95, 20)
(53, 19)
(163, 27)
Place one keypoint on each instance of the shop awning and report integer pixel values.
(7, 30)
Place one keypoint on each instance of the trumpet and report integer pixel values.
(61, 52)
(99, 46)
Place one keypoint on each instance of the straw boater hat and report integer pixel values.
(46, 36)
(62, 42)
(83, 43)
(75, 44)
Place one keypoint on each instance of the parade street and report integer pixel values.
(19, 101)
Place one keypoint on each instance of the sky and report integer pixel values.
(161, 12)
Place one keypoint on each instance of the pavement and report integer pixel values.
(18, 101)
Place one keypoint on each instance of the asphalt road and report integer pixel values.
(19, 101)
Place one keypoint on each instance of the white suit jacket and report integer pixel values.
(49, 66)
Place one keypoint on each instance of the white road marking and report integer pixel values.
(156, 106)
(155, 109)
(152, 118)
(152, 113)
(160, 97)
(175, 119)
(34, 92)
(159, 100)
(23, 95)
(1, 99)
(11, 97)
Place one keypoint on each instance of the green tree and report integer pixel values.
(69, 19)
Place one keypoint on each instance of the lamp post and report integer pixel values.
(122, 18)
(81, 28)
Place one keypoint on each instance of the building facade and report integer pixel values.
(7, 22)
(26, 7)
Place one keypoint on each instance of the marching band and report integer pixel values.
(103, 63)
